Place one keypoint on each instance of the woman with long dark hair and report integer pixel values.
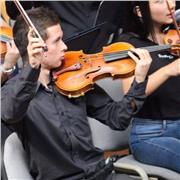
(155, 134)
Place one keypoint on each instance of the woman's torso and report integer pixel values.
(164, 103)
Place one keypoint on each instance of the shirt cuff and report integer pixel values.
(137, 89)
(137, 94)
(30, 74)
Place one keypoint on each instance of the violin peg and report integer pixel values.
(82, 93)
(169, 41)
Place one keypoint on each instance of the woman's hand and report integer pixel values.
(143, 61)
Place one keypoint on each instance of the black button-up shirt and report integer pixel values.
(55, 129)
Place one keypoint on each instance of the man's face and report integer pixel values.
(56, 48)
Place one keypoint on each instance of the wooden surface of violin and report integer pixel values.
(173, 35)
(80, 71)
(6, 35)
(172, 38)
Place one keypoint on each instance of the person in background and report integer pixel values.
(11, 55)
(54, 128)
(155, 137)
(8, 67)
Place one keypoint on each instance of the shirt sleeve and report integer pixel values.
(117, 115)
(17, 93)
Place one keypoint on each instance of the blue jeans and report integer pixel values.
(156, 142)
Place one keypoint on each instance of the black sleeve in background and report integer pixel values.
(17, 93)
(177, 4)
(12, 10)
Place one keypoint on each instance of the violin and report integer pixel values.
(80, 71)
(6, 36)
(173, 34)
(172, 37)
(5, 31)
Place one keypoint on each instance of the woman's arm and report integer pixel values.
(156, 79)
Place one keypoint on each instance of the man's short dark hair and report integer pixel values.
(42, 18)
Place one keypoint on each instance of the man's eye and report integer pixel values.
(58, 40)
(159, 1)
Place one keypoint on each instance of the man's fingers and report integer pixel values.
(37, 45)
(37, 50)
(30, 33)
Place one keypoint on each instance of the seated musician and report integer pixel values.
(53, 128)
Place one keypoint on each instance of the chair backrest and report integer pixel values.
(15, 159)
(104, 137)
(177, 15)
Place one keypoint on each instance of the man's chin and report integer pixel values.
(57, 68)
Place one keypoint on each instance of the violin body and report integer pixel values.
(6, 35)
(172, 37)
(80, 71)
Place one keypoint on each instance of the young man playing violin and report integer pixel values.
(53, 128)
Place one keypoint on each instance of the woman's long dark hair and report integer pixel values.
(132, 23)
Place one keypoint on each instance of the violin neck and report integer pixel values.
(109, 57)
(157, 48)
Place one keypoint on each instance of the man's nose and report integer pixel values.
(64, 47)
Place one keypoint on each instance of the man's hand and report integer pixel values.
(143, 61)
(35, 50)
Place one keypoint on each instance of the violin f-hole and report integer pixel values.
(92, 71)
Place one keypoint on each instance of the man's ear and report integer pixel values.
(137, 11)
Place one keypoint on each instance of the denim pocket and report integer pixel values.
(147, 130)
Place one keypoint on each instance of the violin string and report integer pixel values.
(149, 48)
(124, 54)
